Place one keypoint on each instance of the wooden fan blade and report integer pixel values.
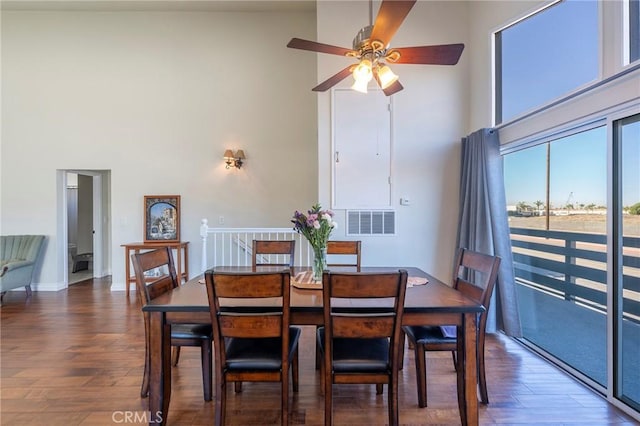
(389, 19)
(298, 43)
(395, 87)
(444, 54)
(333, 80)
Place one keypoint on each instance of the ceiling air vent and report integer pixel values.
(371, 222)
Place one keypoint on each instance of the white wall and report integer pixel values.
(156, 98)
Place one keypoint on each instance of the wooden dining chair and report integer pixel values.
(475, 276)
(156, 275)
(341, 249)
(272, 252)
(345, 249)
(362, 344)
(255, 343)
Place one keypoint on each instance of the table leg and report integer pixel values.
(127, 270)
(186, 264)
(179, 264)
(160, 368)
(468, 371)
(460, 369)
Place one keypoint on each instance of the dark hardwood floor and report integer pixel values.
(75, 357)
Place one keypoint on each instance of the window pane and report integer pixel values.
(525, 187)
(546, 56)
(634, 30)
(628, 279)
(578, 190)
(560, 264)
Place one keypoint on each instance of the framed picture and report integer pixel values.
(161, 218)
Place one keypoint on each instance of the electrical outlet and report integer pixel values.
(405, 202)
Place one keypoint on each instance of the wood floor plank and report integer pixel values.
(75, 357)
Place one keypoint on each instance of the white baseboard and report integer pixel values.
(120, 287)
(45, 287)
(59, 286)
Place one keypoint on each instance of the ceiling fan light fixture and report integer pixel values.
(363, 71)
(386, 76)
(360, 85)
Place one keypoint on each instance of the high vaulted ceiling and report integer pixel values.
(161, 5)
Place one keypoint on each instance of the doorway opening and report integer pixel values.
(84, 225)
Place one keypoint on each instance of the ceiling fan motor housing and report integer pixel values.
(361, 40)
(364, 47)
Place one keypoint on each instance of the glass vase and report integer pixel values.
(319, 262)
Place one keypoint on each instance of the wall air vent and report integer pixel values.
(371, 222)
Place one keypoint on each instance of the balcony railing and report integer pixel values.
(232, 246)
(573, 265)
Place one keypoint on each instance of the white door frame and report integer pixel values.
(100, 266)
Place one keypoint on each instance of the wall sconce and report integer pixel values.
(234, 160)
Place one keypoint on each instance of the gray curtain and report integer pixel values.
(483, 225)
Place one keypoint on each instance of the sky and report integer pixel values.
(548, 55)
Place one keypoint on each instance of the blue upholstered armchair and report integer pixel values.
(18, 257)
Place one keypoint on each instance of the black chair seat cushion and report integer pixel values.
(191, 331)
(358, 355)
(259, 354)
(422, 335)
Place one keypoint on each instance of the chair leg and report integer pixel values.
(318, 359)
(328, 397)
(237, 387)
(322, 379)
(318, 354)
(221, 398)
(379, 389)
(205, 355)
(284, 391)
(421, 374)
(401, 349)
(294, 372)
(175, 356)
(28, 290)
(482, 379)
(392, 402)
(144, 389)
(455, 360)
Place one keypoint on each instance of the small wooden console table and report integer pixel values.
(181, 259)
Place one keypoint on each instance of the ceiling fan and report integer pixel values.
(371, 49)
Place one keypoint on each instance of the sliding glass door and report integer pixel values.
(576, 250)
(557, 201)
(626, 278)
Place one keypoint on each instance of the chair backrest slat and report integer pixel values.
(470, 290)
(475, 275)
(382, 318)
(347, 248)
(247, 326)
(363, 285)
(148, 286)
(363, 326)
(233, 285)
(273, 247)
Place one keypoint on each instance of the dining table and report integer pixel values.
(433, 303)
